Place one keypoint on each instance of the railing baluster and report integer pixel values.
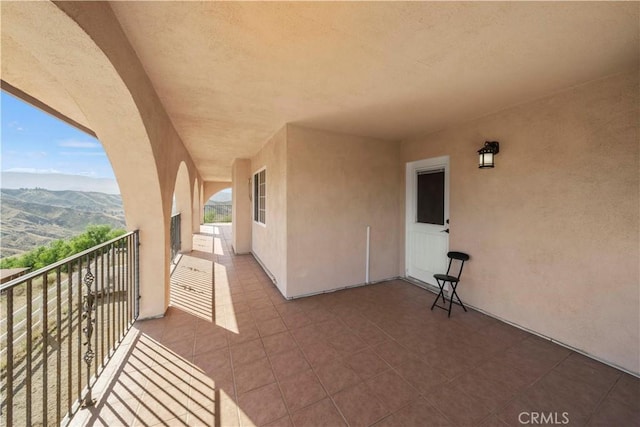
(121, 299)
(109, 291)
(9, 389)
(45, 346)
(118, 294)
(131, 265)
(95, 294)
(127, 316)
(114, 294)
(102, 299)
(128, 285)
(137, 283)
(130, 275)
(29, 348)
(59, 342)
(34, 383)
(120, 288)
(79, 329)
(69, 334)
(87, 313)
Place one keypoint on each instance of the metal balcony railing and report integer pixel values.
(176, 242)
(59, 327)
(217, 213)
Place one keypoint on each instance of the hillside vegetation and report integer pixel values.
(60, 249)
(35, 217)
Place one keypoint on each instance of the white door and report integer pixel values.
(427, 218)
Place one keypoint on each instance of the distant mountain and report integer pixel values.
(58, 182)
(223, 196)
(35, 217)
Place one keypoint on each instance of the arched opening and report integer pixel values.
(56, 181)
(183, 207)
(218, 208)
(99, 84)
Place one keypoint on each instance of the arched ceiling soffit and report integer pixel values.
(70, 56)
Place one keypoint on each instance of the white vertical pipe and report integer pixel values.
(366, 280)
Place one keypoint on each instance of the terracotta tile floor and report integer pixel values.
(238, 353)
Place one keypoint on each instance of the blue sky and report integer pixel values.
(34, 141)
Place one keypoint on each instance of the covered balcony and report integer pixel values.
(232, 351)
(349, 133)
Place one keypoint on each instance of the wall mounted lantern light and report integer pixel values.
(487, 153)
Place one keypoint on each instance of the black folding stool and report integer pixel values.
(442, 279)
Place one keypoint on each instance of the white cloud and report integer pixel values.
(35, 154)
(80, 153)
(90, 174)
(32, 170)
(72, 143)
(16, 126)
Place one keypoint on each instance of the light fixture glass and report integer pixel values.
(487, 154)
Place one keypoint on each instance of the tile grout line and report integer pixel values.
(284, 400)
(522, 392)
(335, 405)
(364, 309)
(603, 398)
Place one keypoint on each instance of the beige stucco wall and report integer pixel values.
(210, 188)
(241, 206)
(269, 242)
(337, 186)
(553, 230)
(197, 206)
(82, 47)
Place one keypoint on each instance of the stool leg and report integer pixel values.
(441, 286)
(454, 293)
(453, 286)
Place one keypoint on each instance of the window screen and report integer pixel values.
(430, 206)
(260, 196)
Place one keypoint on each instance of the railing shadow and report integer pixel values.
(179, 369)
(205, 363)
(154, 385)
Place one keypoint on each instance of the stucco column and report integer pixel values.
(154, 250)
(196, 208)
(186, 236)
(241, 206)
(201, 207)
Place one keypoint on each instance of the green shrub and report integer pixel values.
(61, 249)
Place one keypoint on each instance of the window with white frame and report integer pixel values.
(260, 196)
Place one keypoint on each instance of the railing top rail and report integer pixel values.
(60, 263)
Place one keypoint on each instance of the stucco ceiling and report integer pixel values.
(230, 74)
(19, 68)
